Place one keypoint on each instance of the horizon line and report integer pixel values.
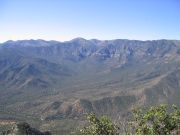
(35, 39)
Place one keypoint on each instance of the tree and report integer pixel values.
(156, 121)
(99, 126)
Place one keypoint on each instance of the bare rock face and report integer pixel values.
(24, 129)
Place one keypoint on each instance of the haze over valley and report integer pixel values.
(56, 81)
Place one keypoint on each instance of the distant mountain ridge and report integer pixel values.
(55, 80)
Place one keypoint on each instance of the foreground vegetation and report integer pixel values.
(157, 120)
(153, 121)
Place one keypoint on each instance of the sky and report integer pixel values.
(64, 20)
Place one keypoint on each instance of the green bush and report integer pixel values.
(156, 121)
(153, 121)
(98, 126)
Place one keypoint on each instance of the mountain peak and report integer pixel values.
(79, 39)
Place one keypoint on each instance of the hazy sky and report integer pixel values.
(102, 19)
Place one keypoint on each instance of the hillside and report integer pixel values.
(57, 82)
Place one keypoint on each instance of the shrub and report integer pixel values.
(156, 120)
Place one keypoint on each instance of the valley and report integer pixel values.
(52, 84)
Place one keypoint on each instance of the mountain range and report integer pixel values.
(59, 82)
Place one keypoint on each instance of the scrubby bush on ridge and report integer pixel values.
(156, 120)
